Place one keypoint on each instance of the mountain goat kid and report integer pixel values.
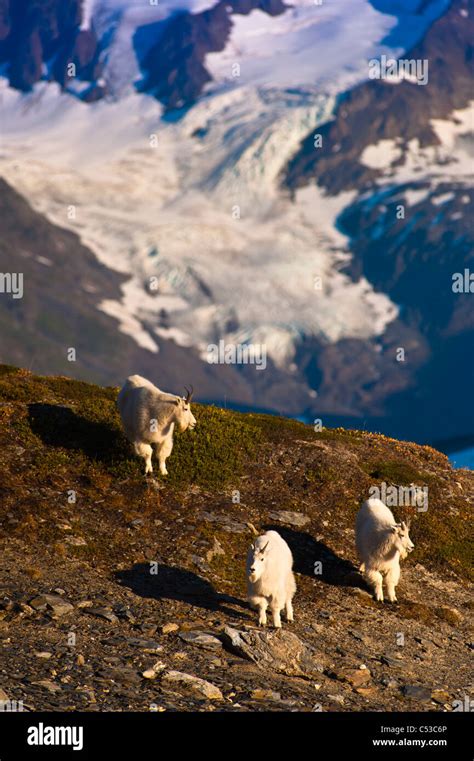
(381, 542)
(149, 417)
(270, 577)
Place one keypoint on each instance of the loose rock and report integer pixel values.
(201, 639)
(355, 677)
(279, 650)
(168, 628)
(48, 685)
(260, 694)
(102, 613)
(440, 696)
(416, 692)
(54, 604)
(193, 683)
(153, 672)
(290, 518)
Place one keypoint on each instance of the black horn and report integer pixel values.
(189, 394)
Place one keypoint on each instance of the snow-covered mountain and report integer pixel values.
(179, 48)
(410, 167)
(177, 140)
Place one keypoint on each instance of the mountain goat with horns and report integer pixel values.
(149, 416)
(381, 544)
(270, 579)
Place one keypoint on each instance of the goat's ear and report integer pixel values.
(394, 528)
(252, 546)
(178, 402)
(404, 526)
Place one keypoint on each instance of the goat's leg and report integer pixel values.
(375, 579)
(163, 451)
(262, 611)
(275, 607)
(391, 580)
(289, 609)
(145, 451)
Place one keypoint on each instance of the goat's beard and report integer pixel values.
(403, 553)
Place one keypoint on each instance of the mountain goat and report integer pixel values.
(381, 542)
(270, 577)
(149, 417)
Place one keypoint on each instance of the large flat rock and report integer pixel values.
(279, 650)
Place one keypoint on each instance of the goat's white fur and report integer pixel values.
(270, 580)
(381, 543)
(149, 417)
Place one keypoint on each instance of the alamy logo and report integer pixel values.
(237, 354)
(464, 705)
(401, 496)
(463, 282)
(12, 282)
(411, 69)
(11, 706)
(45, 735)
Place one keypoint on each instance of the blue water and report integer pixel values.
(463, 459)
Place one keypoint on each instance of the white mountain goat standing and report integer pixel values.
(149, 417)
(381, 543)
(270, 577)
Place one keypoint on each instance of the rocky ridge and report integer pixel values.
(120, 593)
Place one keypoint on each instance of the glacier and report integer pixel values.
(195, 204)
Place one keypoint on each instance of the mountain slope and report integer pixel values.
(405, 153)
(93, 49)
(78, 520)
(217, 202)
(64, 289)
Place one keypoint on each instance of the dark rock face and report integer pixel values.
(378, 110)
(40, 38)
(412, 259)
(443, 234)
(174, 67)
(175, 71)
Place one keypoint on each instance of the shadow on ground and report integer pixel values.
(307, 552)
(174, 583)
(59, 426)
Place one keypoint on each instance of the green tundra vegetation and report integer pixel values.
(61, 440)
